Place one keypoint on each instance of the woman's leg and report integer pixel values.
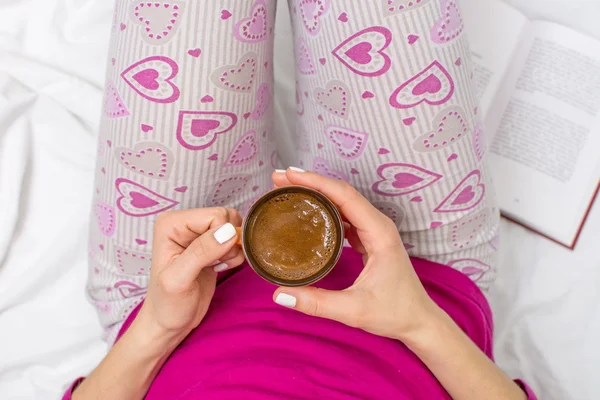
(386, 102)
(186, 123)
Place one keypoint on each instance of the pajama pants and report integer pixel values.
(384, 101)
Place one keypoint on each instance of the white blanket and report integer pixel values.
(52, 59)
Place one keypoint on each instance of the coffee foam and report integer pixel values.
(293, 236)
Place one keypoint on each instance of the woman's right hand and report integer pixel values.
(387, 299)
(189, 245)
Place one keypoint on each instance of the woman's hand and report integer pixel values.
(387, 299)
(189, 246)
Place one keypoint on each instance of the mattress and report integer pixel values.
(52, 56)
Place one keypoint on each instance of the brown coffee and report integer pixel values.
(293, 236)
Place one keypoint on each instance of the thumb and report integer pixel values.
(335, 305)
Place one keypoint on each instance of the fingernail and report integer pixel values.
(297, 169)
(285, 300)
(225, 233)
(280, 171)
(217, 262)
(221, 267)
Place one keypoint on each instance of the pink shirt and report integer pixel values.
(249, 348)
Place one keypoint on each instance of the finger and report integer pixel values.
(354, 207)
(279, 178)
(176, 230)
(339, 306)
(355, 242)
(202, 252)
(230, 264)
(233, 253)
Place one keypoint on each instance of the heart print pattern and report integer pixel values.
(198, 130)
(136, 200)
(254, 28)
(152, 78)
(149, 159)
(364, 53)
(433, 85)
(159, 20)
(448, 127)
(395, 7)
(311, 14)
(237, 78)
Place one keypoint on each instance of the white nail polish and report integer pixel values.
(225, 233)
(221, 267)
(285, 300)
(297, 169)
(214, 263)
(280, 171)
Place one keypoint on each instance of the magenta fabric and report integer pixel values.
(249, 348)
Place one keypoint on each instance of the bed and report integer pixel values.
(52, 57)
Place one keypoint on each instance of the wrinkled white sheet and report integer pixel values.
(52, 59)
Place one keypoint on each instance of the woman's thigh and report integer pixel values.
(385, 101)
(186, 123)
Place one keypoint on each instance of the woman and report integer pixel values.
(385, 105)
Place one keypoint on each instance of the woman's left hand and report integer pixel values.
(387, 299)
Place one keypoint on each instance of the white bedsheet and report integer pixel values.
(546, 301)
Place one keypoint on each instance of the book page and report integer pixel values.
(545, 155)
(494, 30)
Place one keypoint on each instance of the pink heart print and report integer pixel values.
(253, 29)
(263, 101)
(305, 63)
(478, 141)
(466, 196)
(129, 289)
(393, 211)
(132, 262)
(433, 86)
(399, 179)
(412, 39)
(349, 144)
(198, 130)
(227, 189)
(138, 201)
(394, 7)
(244, 151)
(159, 20)
(299, 101)
(409, 121)
(472, 268)
(311, 12)
(195, 52)
(237, 78)
(114, 106)
(463, 234)
(321, 166)
(343, 17)
(448, 128)
(364, 52)
(367, 95)
(105, 216)
(225, 14)
(149, 159)
(152, 78)
(181, 189)
(335, 98)
(450, 24)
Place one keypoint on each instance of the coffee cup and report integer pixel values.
(292, 236)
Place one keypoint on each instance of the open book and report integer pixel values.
(539, 85)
